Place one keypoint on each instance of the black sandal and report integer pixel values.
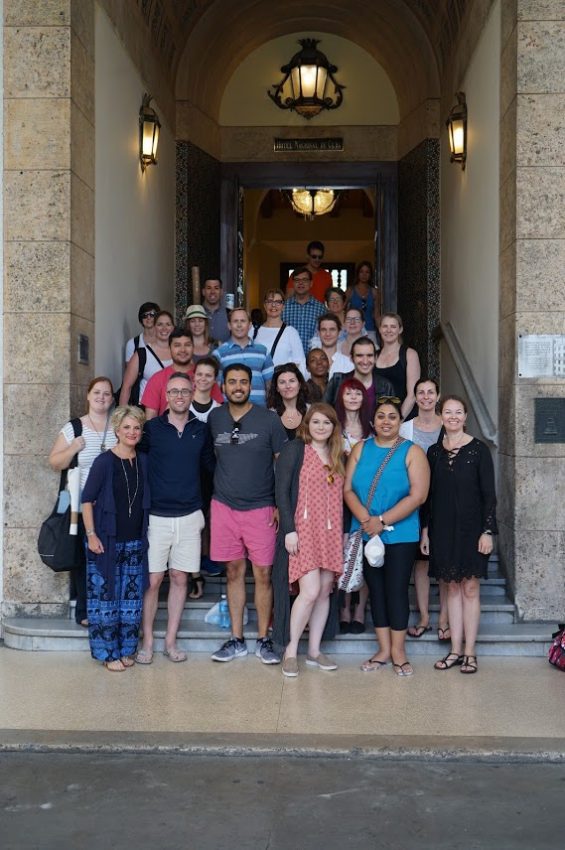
(469, 661)
(197, 584)
(446, 664)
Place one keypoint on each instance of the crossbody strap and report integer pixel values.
(380, 470)
(278, 338)
(159, 361)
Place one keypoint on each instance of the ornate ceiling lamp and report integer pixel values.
(306, 78)
(313, 202)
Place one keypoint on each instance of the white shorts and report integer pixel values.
(174, 542)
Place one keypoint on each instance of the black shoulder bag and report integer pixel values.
(58, 549)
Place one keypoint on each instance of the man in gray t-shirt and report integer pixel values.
(247, 439)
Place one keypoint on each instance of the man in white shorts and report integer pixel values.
(180, 448)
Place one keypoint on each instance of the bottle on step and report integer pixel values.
(225, 622)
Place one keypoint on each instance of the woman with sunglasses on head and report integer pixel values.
(281, 340)
(365, 296)
(387, 479)
(425, 430)
(287, 397)
(309, 496)
(146, 315)
(154, 358)
(396, 362)
(459, 524)
(354, 414)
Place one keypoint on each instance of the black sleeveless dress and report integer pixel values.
(396, 374)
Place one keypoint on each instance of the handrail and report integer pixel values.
(472, 389)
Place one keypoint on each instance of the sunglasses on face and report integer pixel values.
(149, 315)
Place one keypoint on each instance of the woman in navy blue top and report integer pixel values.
(401, 489)
(115, 508)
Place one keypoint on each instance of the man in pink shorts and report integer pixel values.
(247, 439)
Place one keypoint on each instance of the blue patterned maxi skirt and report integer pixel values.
(113, 621)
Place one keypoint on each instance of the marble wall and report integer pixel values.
(198, 220)
(49, 268)
(532, 298)
(418, 251)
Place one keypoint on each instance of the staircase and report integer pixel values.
(499, 634)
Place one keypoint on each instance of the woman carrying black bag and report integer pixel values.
(96, 437)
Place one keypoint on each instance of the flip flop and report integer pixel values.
(371, 665)
(403, 669)
(443, 633)
(418, 631)
(144, 656)
(175, 655)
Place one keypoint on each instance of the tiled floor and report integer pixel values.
(508, 698)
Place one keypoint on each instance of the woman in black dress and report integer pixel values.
(460, 520)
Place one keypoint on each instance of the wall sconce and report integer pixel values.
(149, 126)
(457, 130)
(303, 87)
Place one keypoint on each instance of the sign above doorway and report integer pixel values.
(306, 145)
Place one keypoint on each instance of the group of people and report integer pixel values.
(278, 462)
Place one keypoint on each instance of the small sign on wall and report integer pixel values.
(83, 349)
(549, 420)
(307, 145)
(541, 356)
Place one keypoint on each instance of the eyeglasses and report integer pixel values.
(274, 302)
(317, 256)
(234, 439)
(391, 399)
(335, 299)
(353, 320)
(149, 315)
(174, 393)
(302, 279)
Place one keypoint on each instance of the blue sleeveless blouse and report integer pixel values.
(393, 486)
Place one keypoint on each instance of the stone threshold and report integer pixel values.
(487, 749)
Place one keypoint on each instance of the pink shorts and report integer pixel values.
(240, 534)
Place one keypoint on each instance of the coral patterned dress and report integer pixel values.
(318, 519)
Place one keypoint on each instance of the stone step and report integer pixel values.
(61, 634)
(495, 608)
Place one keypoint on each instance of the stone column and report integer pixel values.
(532, 301)
(49, 269)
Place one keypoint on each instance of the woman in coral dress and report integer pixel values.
(309, 494)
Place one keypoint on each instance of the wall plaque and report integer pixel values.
(305, 145)
(549, 420)
(541, 356)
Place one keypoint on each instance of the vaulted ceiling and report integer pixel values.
(201, 42)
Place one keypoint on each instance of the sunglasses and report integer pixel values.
(234, 439)
(391, 399)
(149, 315)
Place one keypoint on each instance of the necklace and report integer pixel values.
(132, 500)
(292, 415)
(103, 439)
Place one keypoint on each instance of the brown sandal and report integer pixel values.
(470, 662)
(449, 661)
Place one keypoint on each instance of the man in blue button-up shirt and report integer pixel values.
(302, 311)
(240, 349)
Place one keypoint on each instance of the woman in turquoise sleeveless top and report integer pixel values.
(402, 488)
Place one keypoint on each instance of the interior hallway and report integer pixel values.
(513, 705)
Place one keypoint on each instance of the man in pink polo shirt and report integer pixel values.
(155, 394)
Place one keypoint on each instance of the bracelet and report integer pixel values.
(382, 520)
(487, 532)
(89, 532)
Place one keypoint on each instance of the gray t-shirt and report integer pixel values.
(244, 478)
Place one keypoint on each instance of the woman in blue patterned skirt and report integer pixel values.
(115, 507)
